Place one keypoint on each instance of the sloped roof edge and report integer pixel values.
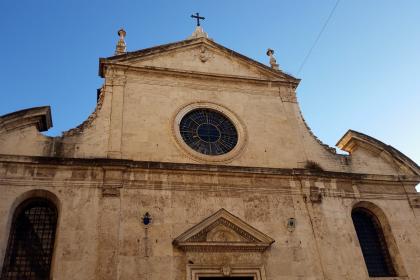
(170, 46)
(37, 116)
(349, 139)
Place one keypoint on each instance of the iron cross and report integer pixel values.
(197, 16)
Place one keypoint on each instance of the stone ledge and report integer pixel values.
(190, 167)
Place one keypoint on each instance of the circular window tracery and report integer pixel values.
(208, 132)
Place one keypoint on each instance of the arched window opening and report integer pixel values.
(31, 241)
(373, 244)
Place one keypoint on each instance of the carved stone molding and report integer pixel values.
(223, 232)
(40, 117)
(194, 271)
(204, 55)
(124, 62)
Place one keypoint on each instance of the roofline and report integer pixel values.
(37, 116)
(103, 61)
(196, 74)
(351, 135)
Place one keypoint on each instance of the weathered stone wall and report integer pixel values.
(134, 118)
(76, 246)
(151, 104)
(126, 160)
(100, 234)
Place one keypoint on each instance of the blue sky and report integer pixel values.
(363, 74)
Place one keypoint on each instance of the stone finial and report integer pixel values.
(273, 61)
(198, 33)
(121, 46)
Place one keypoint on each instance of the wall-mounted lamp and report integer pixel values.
(147, 219)
(291, 224)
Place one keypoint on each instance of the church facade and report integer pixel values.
(198, 165)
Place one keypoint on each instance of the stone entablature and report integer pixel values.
(113, 174)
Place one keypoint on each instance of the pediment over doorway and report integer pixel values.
(223, 231)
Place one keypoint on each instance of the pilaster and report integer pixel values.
(117, 84)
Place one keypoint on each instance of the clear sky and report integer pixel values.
(363, 74)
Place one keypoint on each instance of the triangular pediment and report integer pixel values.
(223, 231)
(200, 55)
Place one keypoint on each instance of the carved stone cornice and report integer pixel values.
(225, 247)
(123, 60)
(207, 169)
(40, 117)
(223, 232)
(354, 139)
(197, 74)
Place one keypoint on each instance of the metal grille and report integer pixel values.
(31, 241)
(208, 132)
(372, 241)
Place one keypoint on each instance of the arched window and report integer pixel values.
(31, 241)
(373, 243)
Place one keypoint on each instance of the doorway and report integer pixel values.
(228, 278)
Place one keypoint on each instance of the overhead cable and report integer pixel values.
(319, 36)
